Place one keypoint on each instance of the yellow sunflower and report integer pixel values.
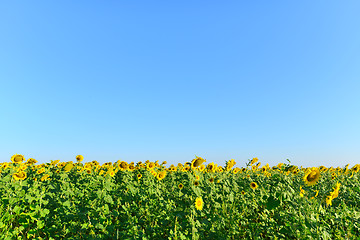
(253, 185)
(79, 158)
(123, 166)
(19, 175)
(311, 176)
(31, 161)
(254, 160)
(181, 186)
(211, 180)
(196, 183)
(41, 170)
(199, 203)
(68, 167)
(139, 176)
(211, 167)
(161, 175)
(45, 177)
(197, 162)
(17, 158)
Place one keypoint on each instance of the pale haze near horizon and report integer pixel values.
(170, 80)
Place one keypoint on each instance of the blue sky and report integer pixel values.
(168, 80)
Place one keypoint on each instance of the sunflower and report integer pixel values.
(253, 185)
(111, 173)
(31, 161)
(19, 175)
(88, 170)
(123, 165)
(254, 160)
(202, 167)
(197, 162)
(161, 175)
(199, 203)
(211, 167)
(54, 162)
(181, 186)
(151, 165)
(211, 180)
(329, 200)
(196, 183)
(101, 172)
(197, 177)
(41, 170)
(131, 167)
(68, 167)
(311, 176)
(79, 158)
(17, 158)
(45, 177)
(243, 192)
(302, 191)
(236, 170)
(164, 162)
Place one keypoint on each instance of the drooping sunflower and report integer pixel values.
(199, 203)
(17, 158)
(19, 175)
(253, 185)
(68, 167)
(197, 162)
(312, 176)
(79, 158)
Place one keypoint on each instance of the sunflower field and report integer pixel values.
(194, 200)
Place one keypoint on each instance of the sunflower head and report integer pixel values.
(31, 161)
(123, 165)
(79, 158)
(17, 158)
(243, 192)
(161, 175)
(181, 186)
(211, 180)
(68, 167)
(19, 175)
(199, 203)
(312, 176)
(197, 162)
(253, 185)
(196, 183)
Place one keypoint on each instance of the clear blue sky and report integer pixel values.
(168, 80)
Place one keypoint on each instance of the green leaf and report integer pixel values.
(44, 212)
(272, 203)
(16, 209)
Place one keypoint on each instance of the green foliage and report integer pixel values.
(81, 205)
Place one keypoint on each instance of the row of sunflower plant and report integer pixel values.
(76, 200)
